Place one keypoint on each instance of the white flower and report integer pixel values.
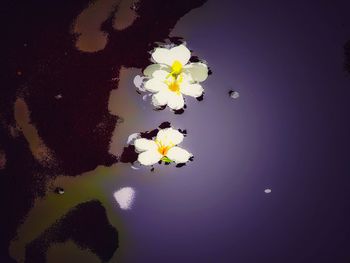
(175, 61)
(162, 148)
(173, 77)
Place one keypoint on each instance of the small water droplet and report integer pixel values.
(58, 96)
(59, 190)
(233, 94)
(267, 191)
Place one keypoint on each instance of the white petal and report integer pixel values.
(160, 98)
(178, 155)
(169, 136)
(175, 101)
(124, 197)
(198, 71)
(193, 90)
(155, 85)
(149, 157)
(163, 56)
(152, 68)
(181, 53)
(160, 74)
(143, 144)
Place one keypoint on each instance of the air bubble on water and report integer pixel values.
(234, 94)
(59, 190)
(132, 138)
(267, 191)
(58, 96)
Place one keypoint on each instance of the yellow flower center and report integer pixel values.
(174, 86)
(176, 68)
(163, 149)
(174, 83)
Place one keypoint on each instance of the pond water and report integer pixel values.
(269, 175)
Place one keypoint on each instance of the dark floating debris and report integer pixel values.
(128, 155)
(184, 132)
(180, 165)
(180, 111)
(200, 98)
(165, 125)
(152, 169)
(194, 59)
(149, 134)
(160, 108)
(233, 94)
(59, 190)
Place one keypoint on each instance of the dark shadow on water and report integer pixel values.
(93, 232)
(347, 56)
(42, 62)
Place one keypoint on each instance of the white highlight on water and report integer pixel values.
(267, 191)
(138, 82)
(132, 138)
(125, 197)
